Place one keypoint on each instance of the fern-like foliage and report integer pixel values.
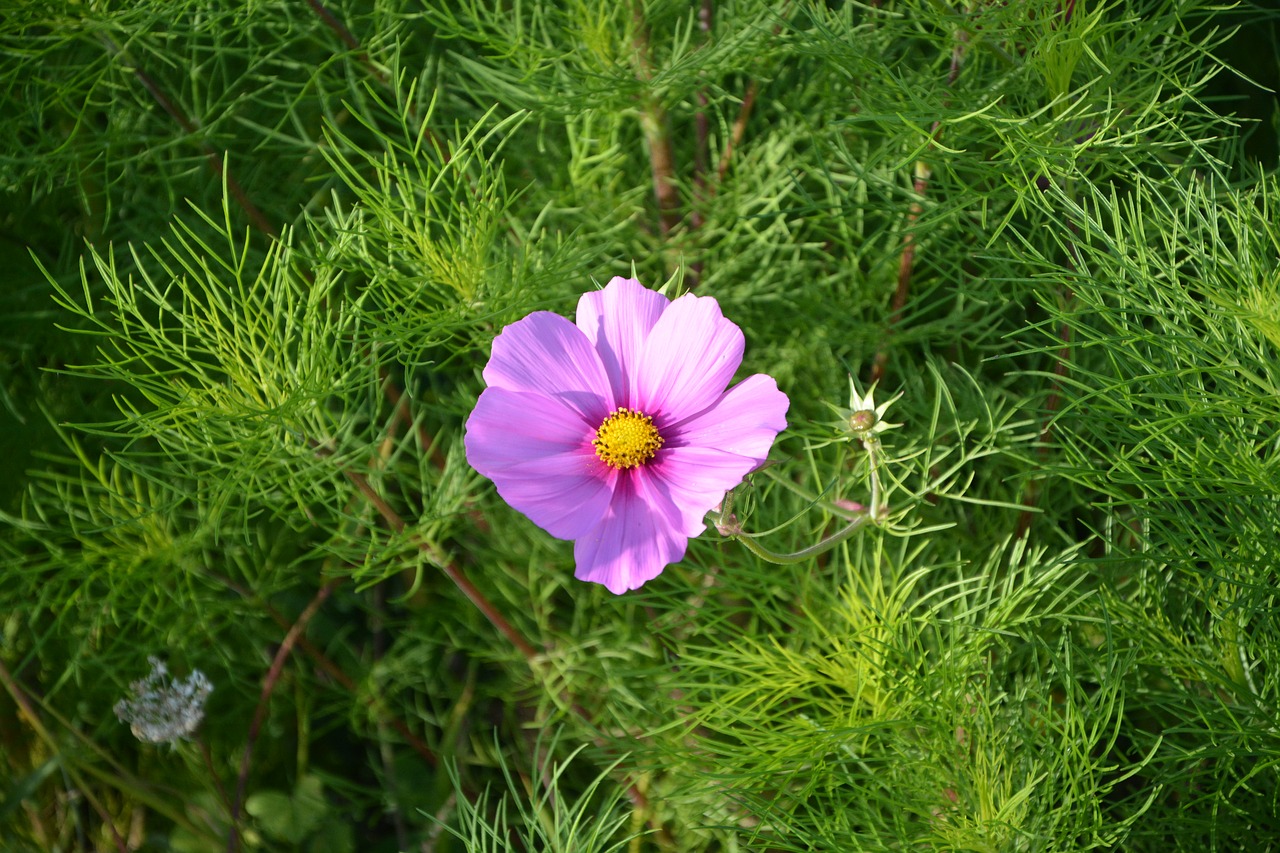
(257, 254)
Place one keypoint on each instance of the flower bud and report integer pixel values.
(863, 420)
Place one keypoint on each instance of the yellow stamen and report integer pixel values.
(626, 439)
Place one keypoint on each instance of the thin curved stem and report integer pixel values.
(260, 713)
(437, 558)
(804, 553)
(873, 514)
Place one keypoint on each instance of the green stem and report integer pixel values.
(871, 444)
(804, 553)
(870, 515)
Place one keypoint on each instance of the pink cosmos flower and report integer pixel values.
(620, 432)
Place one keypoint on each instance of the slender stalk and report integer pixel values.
(701, 145)
(340, 30)
(657, 131)
(435, 556)
(738, 132)
(269, 683)
(873, 514)
(217, 161)
(213, 774)
(336, 673)
(920, 186)
(803, 554)
(400, 403)
(706, 19)
(532, 655)
(330, 20)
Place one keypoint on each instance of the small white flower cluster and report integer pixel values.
(164, 709)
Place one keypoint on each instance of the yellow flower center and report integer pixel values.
(626, 439)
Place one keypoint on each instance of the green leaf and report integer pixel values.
(335, 835)
(290, 818)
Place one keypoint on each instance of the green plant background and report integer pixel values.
(255, 253)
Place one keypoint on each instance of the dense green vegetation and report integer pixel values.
(256, 253)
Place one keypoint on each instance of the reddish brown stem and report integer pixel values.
(335, 672)
(400, 402)
(657, 132)
(213, 774)
(657, 136)
(217, 161)
(702, 126)
(268, 687)
(340, 30)
(920, 185)
(739, 130)
(526, 648)
(701, 150)
(397, 524)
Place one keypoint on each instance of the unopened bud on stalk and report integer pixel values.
(863, 419)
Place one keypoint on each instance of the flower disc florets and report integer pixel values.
(620, 431)
(626, 439)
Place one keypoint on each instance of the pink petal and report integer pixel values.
(546, 354)
(556, 495)
(688, 360)
(633, 542)
(694, 479)
(744, 421)
(617, 320)
(538, 453)
(711, 453)
(508, 427)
